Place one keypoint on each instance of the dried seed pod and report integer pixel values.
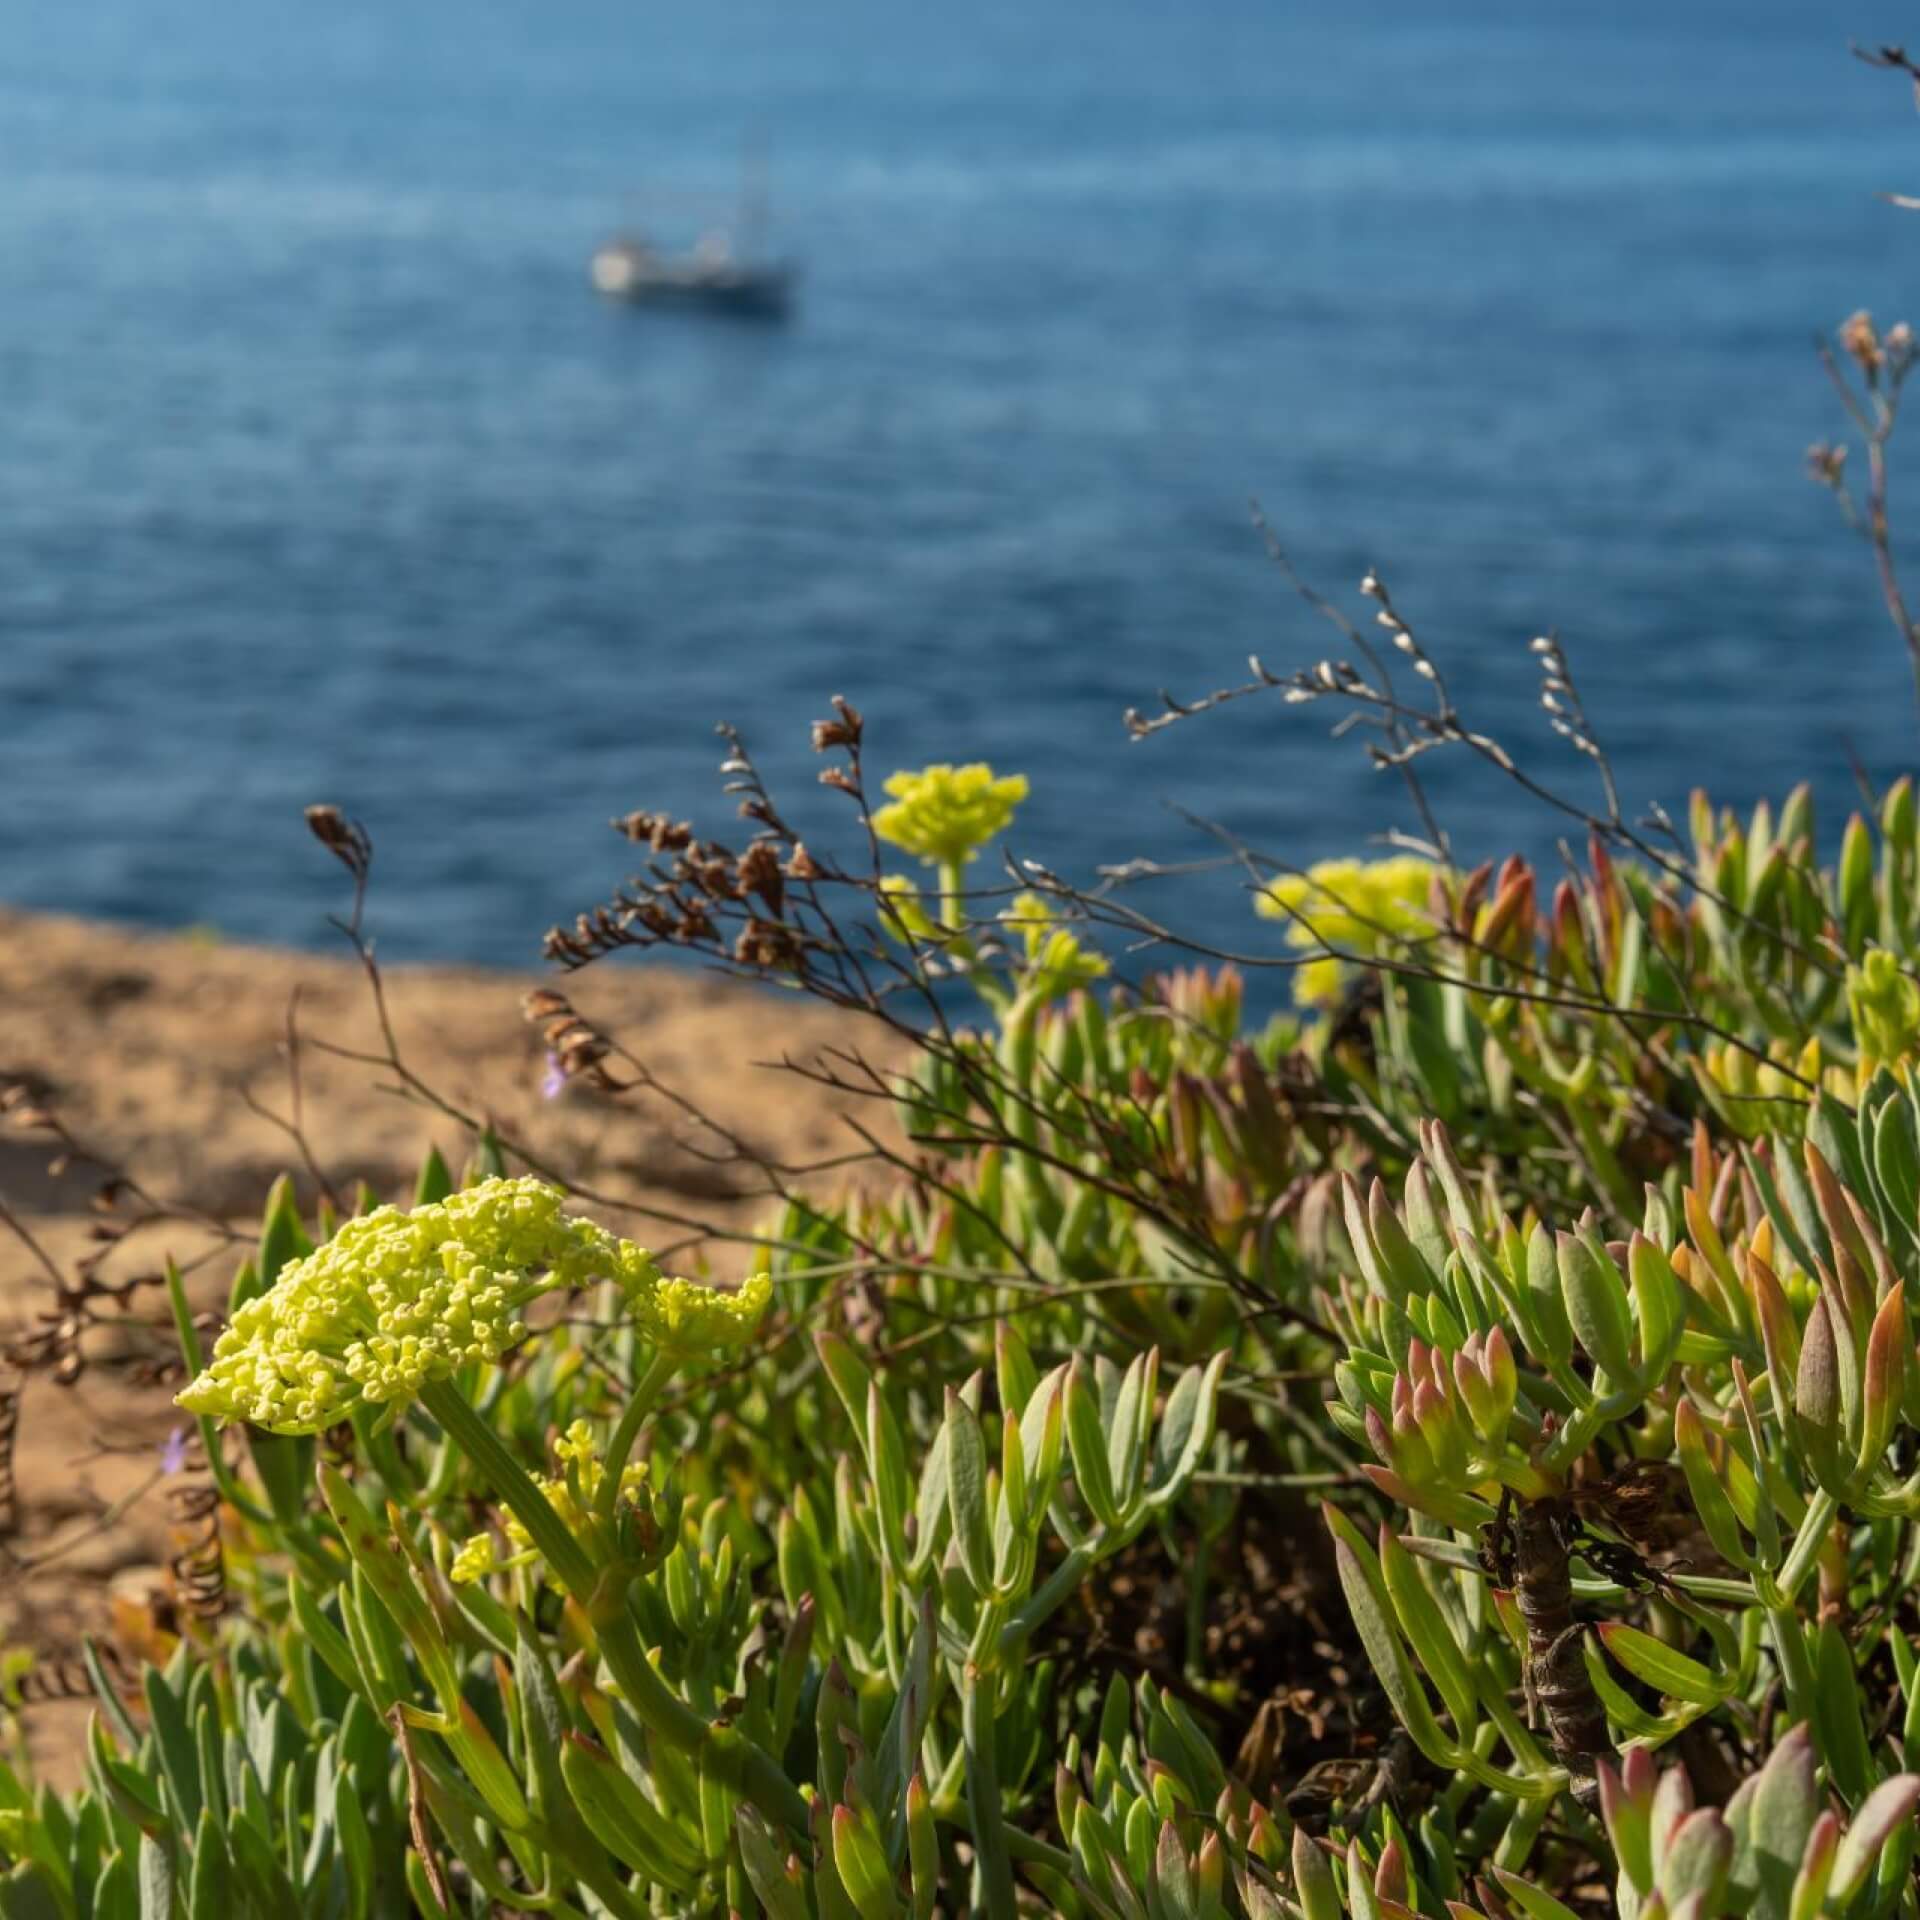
(10, 1393)
(759, 873)
(198, 1563)
(347, 840)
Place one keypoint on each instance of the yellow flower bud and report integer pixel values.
(688, 1320)
(1056, 961)
(476, 1559)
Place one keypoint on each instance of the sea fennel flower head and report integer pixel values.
(396, 1300)
(687, 1320)
(945, 814)
(1360, 906)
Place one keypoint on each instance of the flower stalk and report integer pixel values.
(601, 1595)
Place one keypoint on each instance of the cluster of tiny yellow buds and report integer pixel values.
(945, 814)
(396, 1300)
(475, 1560)
(1030, 916)
(570, 1493)
(687, 1320)
(577, 1445)
(579, 1456)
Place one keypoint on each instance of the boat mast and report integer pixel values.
(754, 197)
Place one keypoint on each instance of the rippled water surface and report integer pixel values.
(324, 475)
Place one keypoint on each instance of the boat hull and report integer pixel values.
(751, 292)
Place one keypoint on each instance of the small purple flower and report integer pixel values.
(555, 1084)
(173, 1452)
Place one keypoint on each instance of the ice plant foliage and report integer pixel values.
(1594, 1224)
(1717, 1411)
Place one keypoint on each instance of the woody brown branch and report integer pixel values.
(1557, 1679)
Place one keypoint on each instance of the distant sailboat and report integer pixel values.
(726, 272)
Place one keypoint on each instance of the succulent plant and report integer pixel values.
(1594, 1213)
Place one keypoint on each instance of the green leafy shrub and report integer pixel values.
(258, 1786)
(598, 1590)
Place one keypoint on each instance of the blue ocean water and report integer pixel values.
(323, 474)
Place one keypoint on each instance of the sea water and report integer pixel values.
(324, 475)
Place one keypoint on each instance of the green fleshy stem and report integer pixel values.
(746, 1767)
(992, 1863)
(1822, 1510)
(1041, 1603)
(1777, 1594)
(952, 912)
(659, 1371)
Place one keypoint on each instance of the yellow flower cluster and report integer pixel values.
(685, 1320)
(1361, 906)
(945, 814)
(570, 1494)
(476, 1559)
(396, 1300)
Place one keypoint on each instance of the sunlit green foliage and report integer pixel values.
(1594, 1222)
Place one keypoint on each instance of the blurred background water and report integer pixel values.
(324, 475)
